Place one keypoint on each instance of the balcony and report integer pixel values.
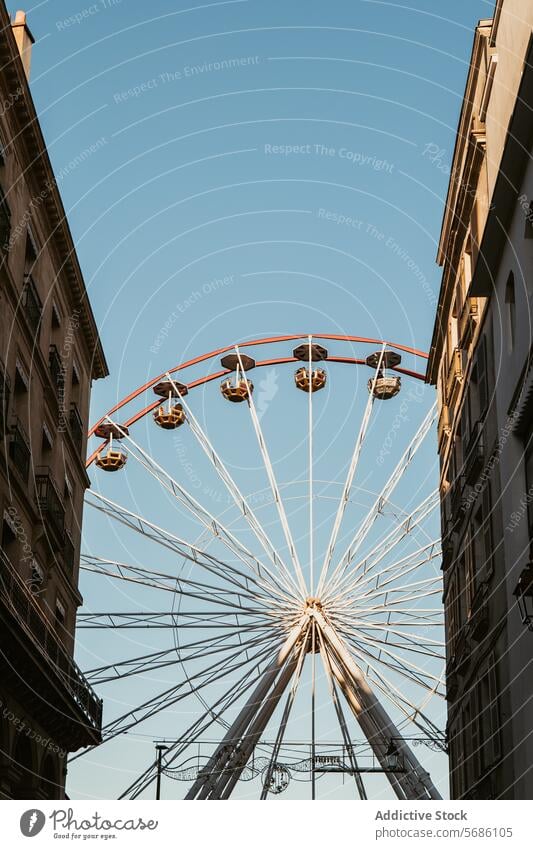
(44, 666)
(444, 426)
(475, 454)
(49, 502)
(56, 368)
(467, 320)
(32, 305)
(76, 427)
(19, 450)
(455, 375)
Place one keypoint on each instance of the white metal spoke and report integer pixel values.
(215, 527)
(350, 478)
(385, 494)
(274, 486)
(245, 509)
(187, 550)
(310, 462)
(395, 536)
(400, 700)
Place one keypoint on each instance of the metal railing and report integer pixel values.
(18, 599)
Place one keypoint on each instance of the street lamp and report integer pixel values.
(392, 756)
(160, 748)
(524, 595)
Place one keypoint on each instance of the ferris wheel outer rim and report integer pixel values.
(261, 364)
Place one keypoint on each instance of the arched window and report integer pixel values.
(510, 302)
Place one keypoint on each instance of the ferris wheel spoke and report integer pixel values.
(171, 696)
(246, 511)
(350, 478)
(363, 568)
(418, 641)
(274, 485)
(199, 726)
(197, 651)
(150, 662)
(410, 711)
(386, 686)
(229, 604)
(385, 494)
(395, 661)
(196, 588)
(389, 574)
(393, 597)
(215, 527)
(310, 464)
(165, 538)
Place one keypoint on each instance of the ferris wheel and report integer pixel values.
(314, 598)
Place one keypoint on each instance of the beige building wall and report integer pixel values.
(479, 361)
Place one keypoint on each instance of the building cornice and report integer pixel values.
(38, 168)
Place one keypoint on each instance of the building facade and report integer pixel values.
(49, 354)
(480, 361)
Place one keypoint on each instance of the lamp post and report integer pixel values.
(160, 748)
(524, 596)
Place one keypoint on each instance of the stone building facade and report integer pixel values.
(49, 355)
(481, 362)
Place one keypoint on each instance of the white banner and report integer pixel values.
(263, 826)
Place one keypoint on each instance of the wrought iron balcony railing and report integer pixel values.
(49, 501)
(17, 597)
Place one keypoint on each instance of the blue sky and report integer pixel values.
(235, 170)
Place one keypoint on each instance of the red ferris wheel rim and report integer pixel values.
(271, 340)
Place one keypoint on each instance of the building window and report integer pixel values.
(32, 305)
(31, 251)
(489, 716)
(510, 302)
(478, 396)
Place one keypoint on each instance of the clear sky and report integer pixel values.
(242, 169)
